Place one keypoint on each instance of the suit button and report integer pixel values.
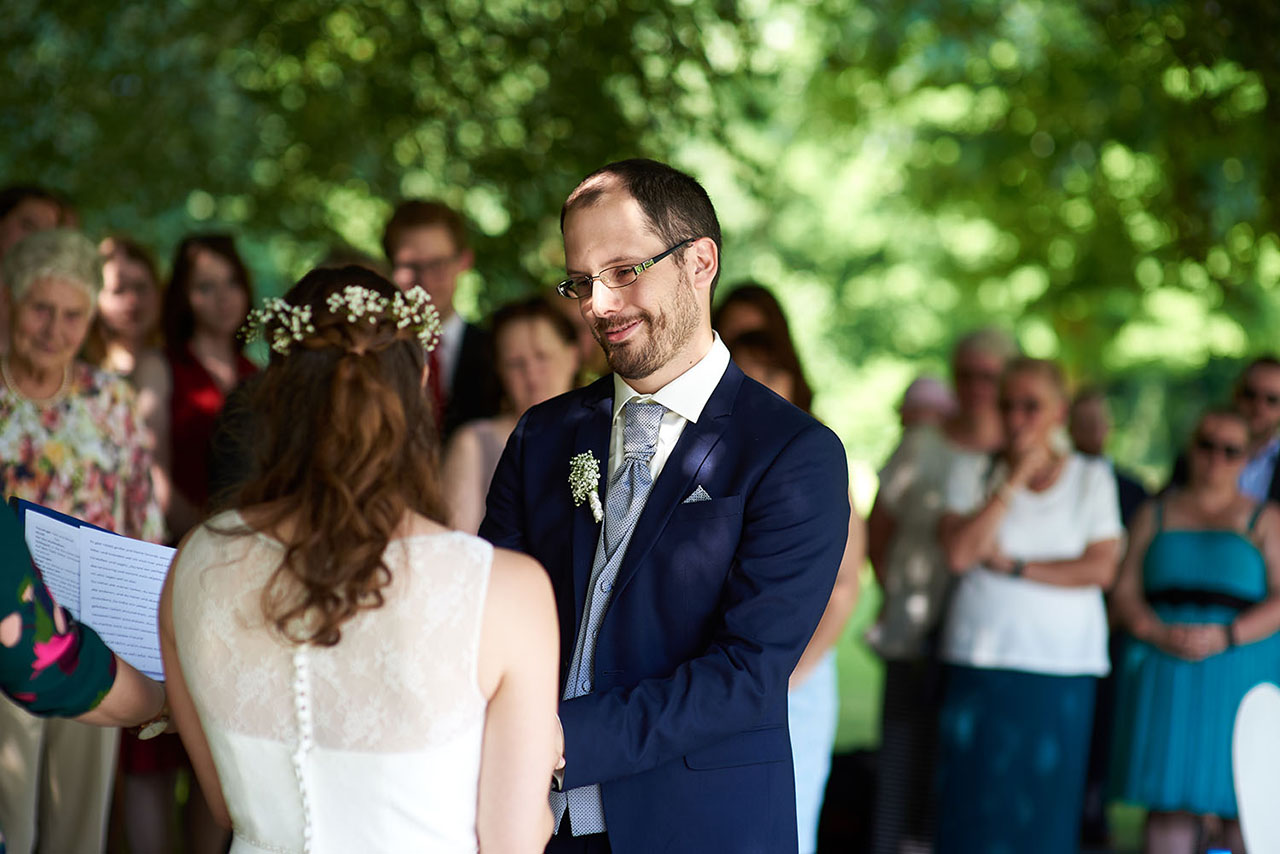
(585, 686)
(606, 586)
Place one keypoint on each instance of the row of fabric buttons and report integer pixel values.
(302, 716)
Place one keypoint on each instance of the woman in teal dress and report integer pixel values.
(1199, 592)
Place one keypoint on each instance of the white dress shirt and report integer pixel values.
(684, 397)
(449, 349)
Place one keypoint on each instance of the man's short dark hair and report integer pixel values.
(418, 213)
(675, 204)
(1266, 360)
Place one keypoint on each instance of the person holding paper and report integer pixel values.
(53, 666)
(71, 440)
(364, 678)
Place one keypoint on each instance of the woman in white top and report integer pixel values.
(1034, 533)
(347, 674)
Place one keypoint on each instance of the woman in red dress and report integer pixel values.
(207, 300)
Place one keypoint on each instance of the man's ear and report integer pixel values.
(703, 258)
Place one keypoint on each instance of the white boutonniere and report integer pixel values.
(584, 480)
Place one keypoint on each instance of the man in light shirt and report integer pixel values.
(1257, 397)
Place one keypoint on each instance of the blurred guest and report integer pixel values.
(749, 306)
(535, 350)
(24, 210)
(124, 339)
(902, 534)
(70, 439)
(1034, 534)
(206, 302)
(426, 243)
(1089, 426)
(1257, 397)
(591, 359)
(1199, 591)
(926, 402)
(813, 699)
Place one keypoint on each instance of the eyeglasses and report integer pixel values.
(426, 269)
(1208, 446)
(964, 374)
(1026, 406)
(579, 287)
(1252, 394)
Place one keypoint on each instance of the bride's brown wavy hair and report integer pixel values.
(346, 447)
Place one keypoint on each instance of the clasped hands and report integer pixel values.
(1192, 641)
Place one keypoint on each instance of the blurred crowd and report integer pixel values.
(1054, 637)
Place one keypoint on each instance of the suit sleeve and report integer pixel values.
(795, 525)
(503, 524)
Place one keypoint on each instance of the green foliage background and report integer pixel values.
(1096, 176)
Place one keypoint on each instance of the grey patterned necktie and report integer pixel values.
(628, 490)
(631, 484)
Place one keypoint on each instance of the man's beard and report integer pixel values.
(675, 323)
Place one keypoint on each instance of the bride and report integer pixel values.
(346, 673)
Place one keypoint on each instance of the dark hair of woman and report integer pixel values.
(777, 354)
(178, 318)
(345, 448)
(762, 300)
(535, 308)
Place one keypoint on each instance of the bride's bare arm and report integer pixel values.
(519, 672)
(183, 710)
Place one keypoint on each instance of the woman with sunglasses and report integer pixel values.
(1199, 591)
(1034, 534)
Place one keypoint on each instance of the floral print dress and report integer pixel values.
(85, 453)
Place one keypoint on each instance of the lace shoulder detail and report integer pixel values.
(402, 678)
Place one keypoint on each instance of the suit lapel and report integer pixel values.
(680, 473)
(591, 435)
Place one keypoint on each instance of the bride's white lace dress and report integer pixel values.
(372, 745)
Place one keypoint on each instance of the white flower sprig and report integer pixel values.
(287, 323)
(584, 480)
(281, 324)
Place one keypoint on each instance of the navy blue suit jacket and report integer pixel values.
(686, 728)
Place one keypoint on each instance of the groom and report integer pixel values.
(723, 514)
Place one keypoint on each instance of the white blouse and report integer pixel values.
(1001, 622)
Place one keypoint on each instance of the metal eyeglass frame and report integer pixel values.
(611, 277)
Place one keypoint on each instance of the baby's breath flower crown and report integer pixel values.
(282, 325)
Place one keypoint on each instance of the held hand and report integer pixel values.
(1027, 465)
(1195, 642)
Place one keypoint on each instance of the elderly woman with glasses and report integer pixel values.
(1034, 534)
(70, 439)
(1199, 591)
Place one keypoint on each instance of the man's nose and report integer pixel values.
(604, 300)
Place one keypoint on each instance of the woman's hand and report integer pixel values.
(1028, 464)
(1194, 641)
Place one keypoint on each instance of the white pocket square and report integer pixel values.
(697, 495)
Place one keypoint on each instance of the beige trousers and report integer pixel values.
(55, 783)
